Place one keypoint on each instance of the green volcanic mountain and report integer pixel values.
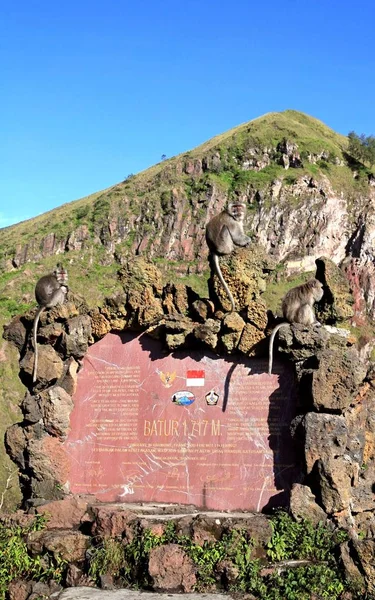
(161, 212)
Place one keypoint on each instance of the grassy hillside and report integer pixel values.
(138, 199)
(311, 135)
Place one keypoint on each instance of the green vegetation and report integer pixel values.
(311, 135)
(16, 562)
(109, 557)
(273, 577)
(290, 541)
(362, 147)
(199, 283)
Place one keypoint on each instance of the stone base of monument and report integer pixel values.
(76, 527)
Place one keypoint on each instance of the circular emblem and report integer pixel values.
(183, 398)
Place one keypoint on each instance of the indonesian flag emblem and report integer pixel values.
(194, 378)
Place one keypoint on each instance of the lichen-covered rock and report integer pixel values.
(303, 505)
(16, 332)
(62, 312)
(69, 380)
(64, 514)
(299, 343)
(208, 332)
(175, 340)
(63, 544)
(56, 405)
(136, 274)
(363, 496)
(15, 442)
(250, 339)
(202, 309)
(143, 287)
(48, 461)
(113, 521)
(337, 303)
(256, 313)
(50, 365)
(150, 309)
(100, 325)
(75, 341)
(177, 328)
(325, 437)
(171, 569)
(334, 476)
(365, 550)
(245, 273)
(176, 298)
(233, 325)
(335, 382)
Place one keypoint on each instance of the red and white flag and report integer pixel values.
(194, 378)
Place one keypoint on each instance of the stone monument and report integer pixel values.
(188, 427)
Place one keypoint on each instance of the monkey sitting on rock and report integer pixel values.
(223, 233)
(297, 307)
(50, 291)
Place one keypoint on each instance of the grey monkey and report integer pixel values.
(50, 290)
(223, 233)
(297, 307)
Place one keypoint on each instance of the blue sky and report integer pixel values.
(94, 91)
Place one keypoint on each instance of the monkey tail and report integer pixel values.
(215, 259)
(35, 329)
(270, 351)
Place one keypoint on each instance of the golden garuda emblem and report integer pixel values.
(167, 378)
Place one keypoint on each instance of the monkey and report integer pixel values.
(297, 307)
(50, 290)
(223, 233)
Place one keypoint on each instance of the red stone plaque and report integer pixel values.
(150, 427)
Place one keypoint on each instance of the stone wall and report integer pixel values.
(335, 426)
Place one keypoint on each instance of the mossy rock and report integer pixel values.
(337, 303)
(245, 272)
(137, 274)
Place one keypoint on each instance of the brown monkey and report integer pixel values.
(297, 307)
(50, 291)
(223, 233)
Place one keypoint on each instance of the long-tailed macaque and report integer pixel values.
(50, 291)
(297, 307)
(223, 233)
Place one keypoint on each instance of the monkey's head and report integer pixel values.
(61, 274)
(236, 210)
(316, 288)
